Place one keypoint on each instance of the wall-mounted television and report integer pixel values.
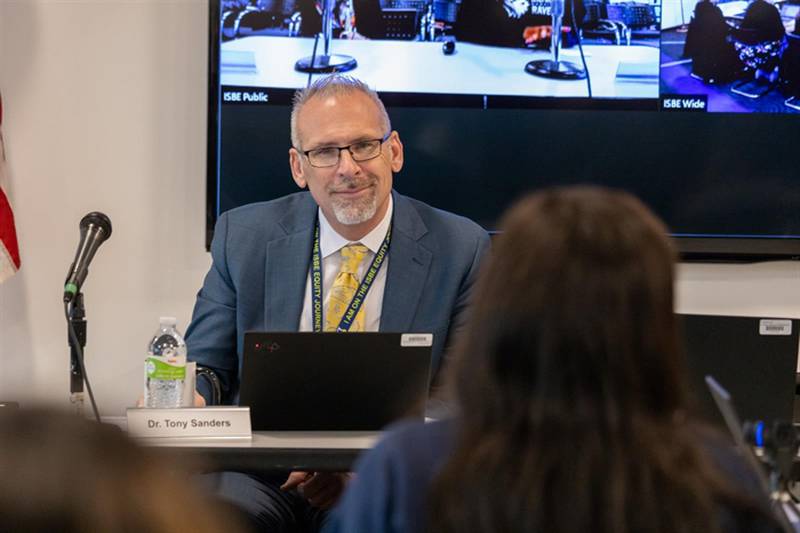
(633, 98)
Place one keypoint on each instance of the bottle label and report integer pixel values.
(166, 368)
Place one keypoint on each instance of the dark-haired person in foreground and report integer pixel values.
(345, 152)
(572, 391)
(59, 472)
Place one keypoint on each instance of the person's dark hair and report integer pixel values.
(765, 18)
(571, 383)
(62, 473)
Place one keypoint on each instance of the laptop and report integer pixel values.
(790, 12)
(756, 359)
(302, 381)
(785, 511)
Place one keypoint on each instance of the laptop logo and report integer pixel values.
(416, 339)
(267, 347)
(774, 327)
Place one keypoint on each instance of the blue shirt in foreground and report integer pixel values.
(390, 489)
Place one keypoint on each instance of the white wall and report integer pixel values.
(104, 109)
(676, 12)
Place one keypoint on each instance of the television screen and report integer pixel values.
(739, 56)
(493, 98)
(470, 53)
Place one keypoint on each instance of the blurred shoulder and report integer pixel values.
(412, 447)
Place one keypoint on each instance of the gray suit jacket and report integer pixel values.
(260, 259)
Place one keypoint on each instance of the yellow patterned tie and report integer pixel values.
(344, 287)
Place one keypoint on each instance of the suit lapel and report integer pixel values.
(409, 263)
(286, 269)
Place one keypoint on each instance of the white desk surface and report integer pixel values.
(733, 9)
(301, 440)
(419, 66)
(264, 440)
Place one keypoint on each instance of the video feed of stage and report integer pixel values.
(737, 56)
(465, 53)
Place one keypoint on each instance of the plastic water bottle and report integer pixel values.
(165, 366)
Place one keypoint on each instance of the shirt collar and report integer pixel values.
(331, 242)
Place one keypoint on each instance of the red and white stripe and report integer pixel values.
(9, 249)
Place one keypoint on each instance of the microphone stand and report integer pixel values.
(326, 62)
(555, 68)
(77, 317)
(683, 28)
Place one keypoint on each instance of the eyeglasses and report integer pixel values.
(328, 156)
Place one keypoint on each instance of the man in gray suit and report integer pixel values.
(281, 265)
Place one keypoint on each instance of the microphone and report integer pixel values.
(95, 229)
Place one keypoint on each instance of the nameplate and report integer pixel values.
(190, 422)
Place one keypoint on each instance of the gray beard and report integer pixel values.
(350, 213)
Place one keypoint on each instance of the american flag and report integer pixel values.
(9, 251)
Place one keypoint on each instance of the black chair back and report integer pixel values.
(790, 65)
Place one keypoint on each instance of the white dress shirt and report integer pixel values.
(330, 244)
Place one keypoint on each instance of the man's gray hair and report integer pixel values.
(334, 85)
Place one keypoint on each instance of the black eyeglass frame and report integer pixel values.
(348, 148)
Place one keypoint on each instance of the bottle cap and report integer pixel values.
(167, 321)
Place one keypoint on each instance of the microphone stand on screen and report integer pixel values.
(327, 62)
(555, 67)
